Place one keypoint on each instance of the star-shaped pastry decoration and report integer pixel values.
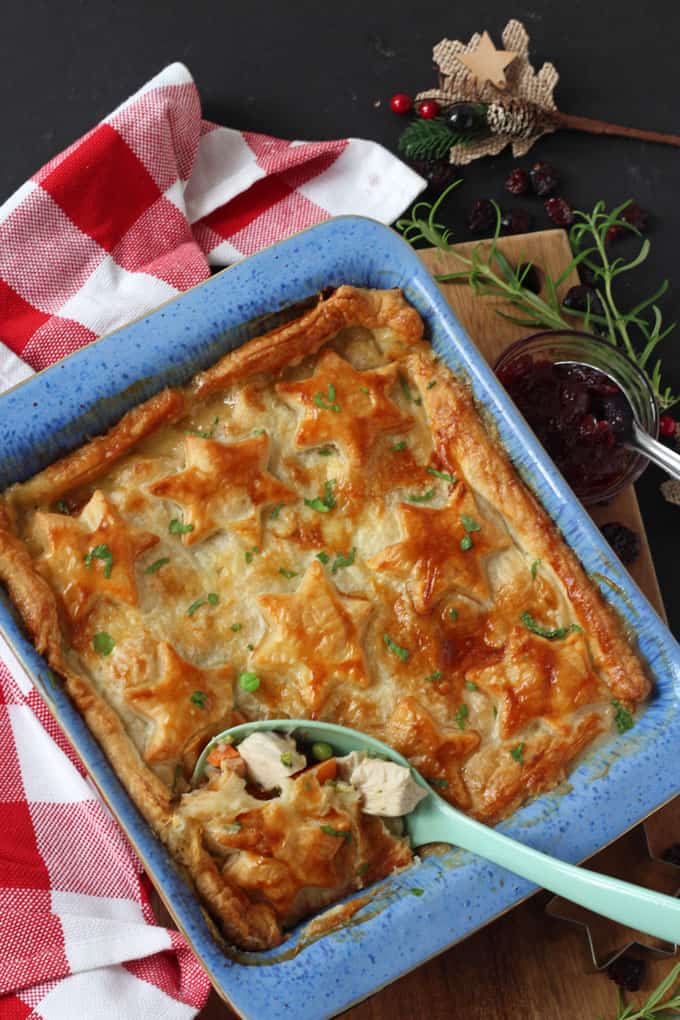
(220, 482)
(315, 636)
(487, 63)
(442, 550)
(186, 705)
(345, 406)
(92, 555)
(537, 678)
(437, 752)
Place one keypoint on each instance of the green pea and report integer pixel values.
(322, 751)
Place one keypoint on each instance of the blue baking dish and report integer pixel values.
(613, 787)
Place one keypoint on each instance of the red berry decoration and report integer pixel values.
(400, 103)
(482, 216)
(428, 109)
(516, 221)
(518, 182)
(667, 426)
(559, 211)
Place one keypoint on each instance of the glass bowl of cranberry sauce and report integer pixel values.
(572, 390)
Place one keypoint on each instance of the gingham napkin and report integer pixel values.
(123, 220)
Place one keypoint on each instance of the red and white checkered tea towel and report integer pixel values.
(124, 219)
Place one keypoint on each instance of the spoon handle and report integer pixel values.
(669, 460)
(638, 908)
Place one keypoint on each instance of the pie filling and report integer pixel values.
(320, 526)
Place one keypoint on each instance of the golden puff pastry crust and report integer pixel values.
(321, 526)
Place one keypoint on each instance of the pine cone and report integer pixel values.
(516, 118)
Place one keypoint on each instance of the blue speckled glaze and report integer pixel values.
(613, 787)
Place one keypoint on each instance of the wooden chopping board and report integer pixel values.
(528, 965)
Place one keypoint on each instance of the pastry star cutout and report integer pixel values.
(69, 540)
(219, 482)
(486, 63)
(185, 705)
(316, 628)
(338, 408)
(538, 678)
(430, 555)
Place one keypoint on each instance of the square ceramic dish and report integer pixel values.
(614, 786)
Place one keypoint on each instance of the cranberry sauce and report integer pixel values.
(579, 415)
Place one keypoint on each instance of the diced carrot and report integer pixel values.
(219, 753)
(325, 770)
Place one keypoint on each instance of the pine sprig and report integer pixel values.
(489, 273)
(430, 139)
(662, 1004)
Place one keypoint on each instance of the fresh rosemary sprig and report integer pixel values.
(662, 1004)
(489, 273)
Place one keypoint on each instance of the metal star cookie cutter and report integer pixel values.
(638, 857)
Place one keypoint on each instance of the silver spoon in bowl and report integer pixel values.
(435, 821)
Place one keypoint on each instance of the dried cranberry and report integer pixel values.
(482, 216)
(626, 544)
(437, 172)
(518, 182)
(633, 214)
(559, 211)
(516, 221)
(580, 298)
(667, 426)
(544, 179)
(627, 972)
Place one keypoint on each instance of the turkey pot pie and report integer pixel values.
(319, 526)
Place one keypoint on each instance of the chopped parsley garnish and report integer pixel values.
(250, 647)
(339, 833)
(518, 754)
(453, 613)
(287, 573)
(103, 553)
(434, 676)
(257, 432)
(425, 498)
(323, 557)
(534, 568)
(466, 543)
(495, 711)
(403, 653)
(249, 553)
(470, 685)
(461, 716)
(232, 828)
(248, 681)
(365, 389)
(275, 511)
(327, 402)
(622, 717)
(363, 868)
(417, 892)
(341, 560)
(236, 627)
(431, 385)
(199, 698)
(398, 447)
(443, 475)
(434, 781)
(201, 433)
(325, 451)
(326, 502)
(211, 599)
(157, 564)
(287, 759)
(103, 643)
(469, 523)
(177, 528)
(406, 390)
(552, 634)
(63, 507)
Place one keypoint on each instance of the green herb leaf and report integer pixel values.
(250, 647)
(534, 568)
(552, 634)
(622, 717)
(232, 828)
(340, 833)
(103, 553)
(325, 451)
(199, 698)
(469, 523)
(177, 528)
(434, 676)
(287, 573)
(323, 504)
(213, 598)
(470, 685)
(461, 716)
(453, 613)
(287, 759)
(435, 781)
(466, 543)
(365, 389)
(249, 553)
(416, 892)
(414, 497)
(327, 402)
(431, 385)
(202, 433)
(398, 447)
(495, 711)
(103, 643)
(275, 511)
(442, 474)
(236, 627)
(323, 557)
(341, 560)
(403, 653)
(518, 753)
(63, 507)
(248, 682)
(157, 564)
(210, 599)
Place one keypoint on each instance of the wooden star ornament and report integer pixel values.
(486, 63)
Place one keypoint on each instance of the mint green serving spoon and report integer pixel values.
(435, 821)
